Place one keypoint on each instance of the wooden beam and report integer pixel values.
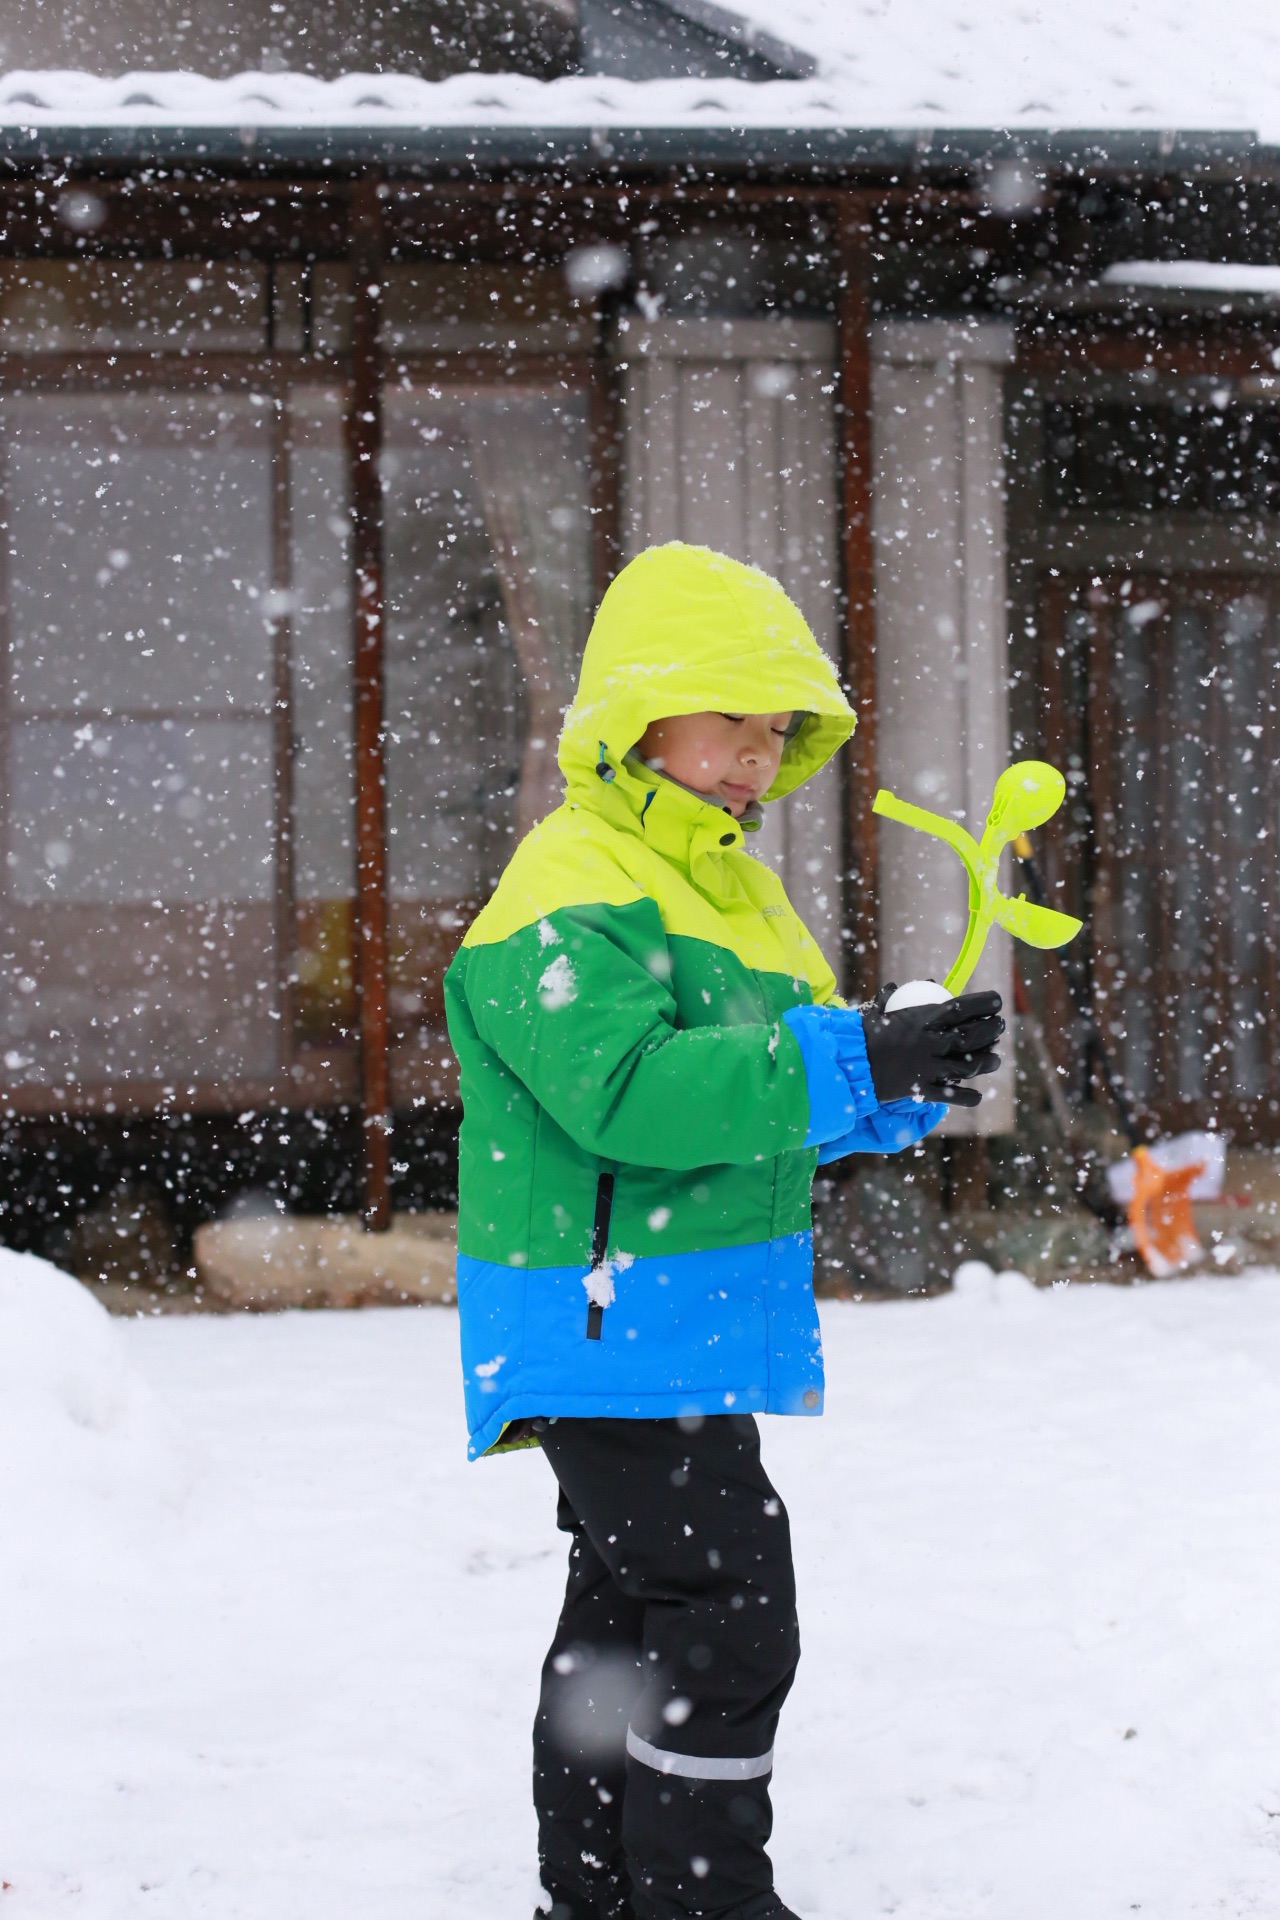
(858, 585)
(294, 218)
(364, 444)
(287, 219)
(1225, 350)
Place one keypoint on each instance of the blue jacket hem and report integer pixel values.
(731, 1329)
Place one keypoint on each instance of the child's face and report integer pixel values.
(731, 756)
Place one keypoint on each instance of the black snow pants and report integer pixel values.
(676, 1648)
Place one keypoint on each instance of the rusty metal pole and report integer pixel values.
(858, 574)
(364, 444)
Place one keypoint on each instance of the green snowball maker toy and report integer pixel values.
(1027, 794)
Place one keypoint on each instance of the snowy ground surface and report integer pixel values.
(268, 1646)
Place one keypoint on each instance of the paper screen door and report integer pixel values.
(731, 443)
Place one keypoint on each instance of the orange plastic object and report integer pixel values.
(1160, 1215)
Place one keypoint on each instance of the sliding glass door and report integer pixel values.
(176, 739)
(177, 888)
(1178, 676)
(488, 551)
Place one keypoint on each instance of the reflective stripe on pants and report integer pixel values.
(697, 1766)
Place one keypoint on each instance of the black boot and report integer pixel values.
(766, 1907)
(564, 1908)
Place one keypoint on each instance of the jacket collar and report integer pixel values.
(685, 827)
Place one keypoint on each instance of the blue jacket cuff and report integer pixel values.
(851, 1045)
(898, 1124)
(838, 1077)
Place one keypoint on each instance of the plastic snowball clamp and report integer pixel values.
(1027, 794)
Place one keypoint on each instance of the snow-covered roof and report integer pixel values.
(1007, 70)
(402, 100)
(1023, 64)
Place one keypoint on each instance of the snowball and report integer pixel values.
(973, 1276)
(917, 993)
(975, 1280)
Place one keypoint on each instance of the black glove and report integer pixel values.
(924, 1052)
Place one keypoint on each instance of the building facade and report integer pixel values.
(319, 443)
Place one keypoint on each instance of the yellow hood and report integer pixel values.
(686, 630)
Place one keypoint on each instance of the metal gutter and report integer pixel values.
(808, 152)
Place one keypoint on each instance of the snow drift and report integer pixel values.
(87, 1469)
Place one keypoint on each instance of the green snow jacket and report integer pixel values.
(634, 1188)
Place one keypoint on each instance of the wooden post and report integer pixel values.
(858, 569)
(605, 402)
(364, 443)
(282, 632)
(966, 1174)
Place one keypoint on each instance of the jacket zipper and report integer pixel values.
(600, 1248)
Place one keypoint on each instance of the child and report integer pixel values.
(653, 1061)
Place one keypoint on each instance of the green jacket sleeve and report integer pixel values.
(578, 1008)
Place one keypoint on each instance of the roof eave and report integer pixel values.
(586, 149)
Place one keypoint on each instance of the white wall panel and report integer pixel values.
(731, 443)
(941, 640)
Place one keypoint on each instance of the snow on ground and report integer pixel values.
(273, 1647)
